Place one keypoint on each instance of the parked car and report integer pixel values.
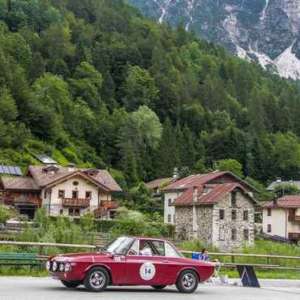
(131, 261)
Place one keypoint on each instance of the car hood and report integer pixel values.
(81, 256)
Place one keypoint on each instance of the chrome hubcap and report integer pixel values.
(97, 280)
(188, 281)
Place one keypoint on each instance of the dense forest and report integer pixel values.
(94, 83)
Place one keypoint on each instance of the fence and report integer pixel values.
(229, 259)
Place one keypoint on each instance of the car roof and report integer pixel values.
(147, 238)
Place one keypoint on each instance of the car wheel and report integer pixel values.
(96, 279)
(71, 284)
(187, 281)
(158, 287)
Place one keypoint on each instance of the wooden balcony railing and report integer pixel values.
(76, 202)
(294, 236)
(104, 208)
(21, 200)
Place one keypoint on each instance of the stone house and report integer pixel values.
(66, 191)
(217, 208)
(281, 217)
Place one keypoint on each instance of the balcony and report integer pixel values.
(17, 200)
(105, 208)
(76, 202)
(294, 236)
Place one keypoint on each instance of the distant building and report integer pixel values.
(273, 185)
(156, 187)
(281, 217)
(66, 191)
(217, 208)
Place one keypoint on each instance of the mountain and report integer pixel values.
(95, 83)
(265, 31)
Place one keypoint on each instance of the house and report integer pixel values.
(217, 208)
(281, 217)
(156, 185)
(277, 183)
(66, 191)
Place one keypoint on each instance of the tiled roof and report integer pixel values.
(42, 178)
(157, 183)
(19, 183)
(212, 196)
(193, 181)
(291, 201)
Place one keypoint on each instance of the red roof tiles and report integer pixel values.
(291, 201)
(194, 180)
(210, 194)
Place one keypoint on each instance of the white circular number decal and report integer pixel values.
(147, 271)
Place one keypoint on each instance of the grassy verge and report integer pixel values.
(261, 247)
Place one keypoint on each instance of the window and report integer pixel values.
(169, 218)
(61, 194)
(233, 215)
(74, 212)
(159, 248)
(269, 228)
(221, 234)
(171, 251)
(269, 212)
(233, 234)
(88, 195)
(170, 202)
(233, 199)
(74, 194)
(75, 183)
(61, 212)
(246, 234)
(221, 214)
(245, 215)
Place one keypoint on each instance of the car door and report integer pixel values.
(148, 269)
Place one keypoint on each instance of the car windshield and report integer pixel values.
(119, 245)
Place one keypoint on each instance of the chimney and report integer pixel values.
(175, 174)
(195, 195)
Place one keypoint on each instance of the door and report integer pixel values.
(149, 266)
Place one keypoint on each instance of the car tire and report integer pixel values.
(187, 281)
(71, 284)
(96, 280)
(158, 287)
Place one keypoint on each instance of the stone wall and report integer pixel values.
(204, 222)
(222, 229)
(184, 222)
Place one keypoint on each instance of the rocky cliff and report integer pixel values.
(266, 31)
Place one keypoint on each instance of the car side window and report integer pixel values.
(159, 248)
(134, 249)
(171, 251)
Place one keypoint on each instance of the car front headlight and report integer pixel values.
(48, 265)
(54, 266)
(67, 267)
(61, 267)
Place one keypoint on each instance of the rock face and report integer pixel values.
(265, 31)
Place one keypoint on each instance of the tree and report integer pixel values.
(231, 165)
(139, 88)
(86, 84)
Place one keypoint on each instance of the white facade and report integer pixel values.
(276, 222)
(169, 209)
(52, 199)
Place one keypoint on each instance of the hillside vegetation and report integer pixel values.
(94, 83)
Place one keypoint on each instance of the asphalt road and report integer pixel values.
(20, 288)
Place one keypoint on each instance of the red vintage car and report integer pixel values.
(131, 261)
